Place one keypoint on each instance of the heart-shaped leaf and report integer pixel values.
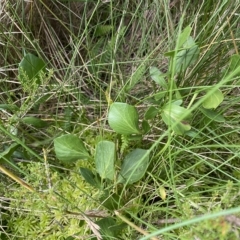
(214, 100)
(171, 115)
(105, 158)
(158, 77)
(134, 166)
(32, 66)
(123, 118)
(70, 148)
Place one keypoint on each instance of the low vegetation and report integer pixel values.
(119, 120)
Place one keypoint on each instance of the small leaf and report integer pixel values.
(35, 122)
(213, 115)
(134, 166)
(90, 177)
(70, 148)
(158, 77)
(123, 118)
(171, 115)
(32, 65)
(214, 100)
(184, 36)
(151, 113)
(104, 159)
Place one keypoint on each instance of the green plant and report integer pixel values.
(139, 100)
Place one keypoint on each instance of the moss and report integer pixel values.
(48, 213)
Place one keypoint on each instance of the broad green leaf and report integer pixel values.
(151, 113)
(192, 134)
(189, 43)
(184, 36)
(188, 56)
(178, 102)
(182, 128)
(214, 100)
(158, 77)
(32, 66)
(233, 65)
(104, 159)
(213, 115)
(123, 118)
(145, 126)
(35, 122)
(171, 115)
(9, 107)
(117, 228)
(90, 177)
(70, 148)
(105, 230)
(134, 166)
(234, 62)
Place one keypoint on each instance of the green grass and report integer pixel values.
(96, 53)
